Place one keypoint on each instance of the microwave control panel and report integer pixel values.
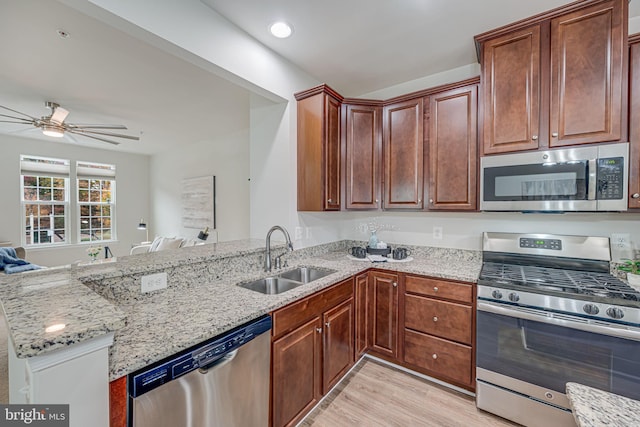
(610, 178)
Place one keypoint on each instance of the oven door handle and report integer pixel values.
(558, 320)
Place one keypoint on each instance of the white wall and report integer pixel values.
(132, 200)
(226, 158)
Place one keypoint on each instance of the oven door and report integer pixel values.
(535, 347)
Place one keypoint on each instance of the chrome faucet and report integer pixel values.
(267, 255)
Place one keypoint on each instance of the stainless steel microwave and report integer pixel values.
(579, 179)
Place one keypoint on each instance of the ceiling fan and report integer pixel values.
(54, 125)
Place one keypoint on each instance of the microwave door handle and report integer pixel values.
(593, 180)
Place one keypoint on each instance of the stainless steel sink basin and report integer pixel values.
(271, 285)
(306, 274)
(286, 281)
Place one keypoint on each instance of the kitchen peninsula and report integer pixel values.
(200, 302)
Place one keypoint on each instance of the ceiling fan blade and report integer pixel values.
(11, 121)
(95, 132)
(15, 111)
(26, 121)
(81, 126)
(94, 137)
(59, 114)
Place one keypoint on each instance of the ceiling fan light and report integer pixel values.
(52, 131)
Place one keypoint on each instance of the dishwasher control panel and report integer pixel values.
(202, 355)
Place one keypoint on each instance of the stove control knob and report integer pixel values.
(513, 297)
(615, 312)
(591, 309)
(496, 294)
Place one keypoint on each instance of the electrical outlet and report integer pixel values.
(153, 282)
(298, 233)
(437, 233)
(620, 246)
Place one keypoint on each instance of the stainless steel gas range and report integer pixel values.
(549, 312)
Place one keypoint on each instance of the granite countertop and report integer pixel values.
(173, 319)
(594, 408)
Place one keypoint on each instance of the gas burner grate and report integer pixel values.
(558, 280)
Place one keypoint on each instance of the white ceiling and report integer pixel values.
(102, 75)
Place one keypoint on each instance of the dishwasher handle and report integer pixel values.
(227, 358)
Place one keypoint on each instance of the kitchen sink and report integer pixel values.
(287, 280)
(306, 274)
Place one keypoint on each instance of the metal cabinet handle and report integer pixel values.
(419, 200)
(554, 134)
(435, 318)
(636, 196)
(395, 285)
(329, 200)
(327, 324)
(377, 200)
(435, 289)
(319, 330)
(435, 356)
(534, 137)
(431, 201)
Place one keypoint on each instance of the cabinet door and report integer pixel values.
(332, 154)
(363, 174)
(363, 321)
(296, 373)
(588, 74)
(634, 125)
(403, 155)
(338, 344)
(385, 313)
(511, 77)
(453, 142)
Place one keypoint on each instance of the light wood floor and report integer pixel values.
(374, 394)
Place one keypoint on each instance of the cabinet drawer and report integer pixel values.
(295, 314)
(444, 319)
(446, 358)
(456, 291)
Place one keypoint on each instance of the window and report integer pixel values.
(50, 215)
(96, 194)
(45, 200)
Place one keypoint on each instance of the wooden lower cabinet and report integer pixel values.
(384, 338)
(439, 326)
(312, 348)
(296, 372)
(363, 298)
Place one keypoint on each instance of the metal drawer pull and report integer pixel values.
(554, 134)
(435, 318)
(329, 200)
(534, 137)
(319, 330)
(395, 285)
(435, 289)
(636, 195)
(435, 356)
(328, 324)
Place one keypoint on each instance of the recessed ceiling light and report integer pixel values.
(281, 29)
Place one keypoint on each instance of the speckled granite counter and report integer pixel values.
(594, 408)
(202, 299)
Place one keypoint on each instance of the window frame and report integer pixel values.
(80, 204)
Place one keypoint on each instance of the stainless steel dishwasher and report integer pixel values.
(223, 382)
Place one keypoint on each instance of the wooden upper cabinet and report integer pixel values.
(319, 149)
(511, 91)
(363, 165)
(556, 79)
(634, 122)
(453, 156)
(403, 155)
(588, 75)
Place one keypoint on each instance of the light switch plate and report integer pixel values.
(153, 282)
(437, 233)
